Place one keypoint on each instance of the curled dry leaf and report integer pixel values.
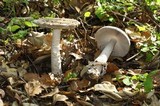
(11, 72)
(108, 89)
(14, 93)
(43, 79)
(29, 104)
(107, 77)
(76, 56)
(59, 97)
(154, 101)
(36, 38)
(33, 88)
(129, 92)
(84, 103)
(55, 91)
(2, 93)
(79, 84)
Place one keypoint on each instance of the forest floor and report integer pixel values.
(25, 58)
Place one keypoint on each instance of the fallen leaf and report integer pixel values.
(53, 92)
(33, 88)
(107, 77)
(29, 104)
(59, 97)
(2, 93)
(108, 89)
(31, 76)
(36, 38)
(112, 67)
(43, 79)
(84, 83)
(76, 56)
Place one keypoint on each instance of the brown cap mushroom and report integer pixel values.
(57, 24)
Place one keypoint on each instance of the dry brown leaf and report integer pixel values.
(84, 103)
(36, 39)
(33, 88)
(147, 34)
(29, 104)
(59, 97)
(11, 72)
(84, 83)
(48, 39)
(2, 93)
(47, 81)
(157, 79)
(112, 67)
(107, 77)
(135, 36)
(55, 91)
(31, 76)
(76, 56)
(108, 89)
(14, 93)
(43, 79)
(68, 94)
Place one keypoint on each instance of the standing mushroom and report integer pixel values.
(57, 24)
(112, 41)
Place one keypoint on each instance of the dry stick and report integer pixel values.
(33, 64)
(151, 17)
(132, 57)
(126, 17)
(85, 30)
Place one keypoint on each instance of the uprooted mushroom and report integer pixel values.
(112, 41)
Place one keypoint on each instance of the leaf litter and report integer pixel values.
(25, 67)
(74, 90)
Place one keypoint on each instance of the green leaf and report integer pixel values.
(149, 56)
(141, 28)
(145, 49)
(100, 13)
(111, 19)
(20, 34)
(2, 19)
(87, 14)
(13, 28)
(135, 77)
(70, 76)
(153, 72)
(127, 81)
(148, 84)
(29, 24)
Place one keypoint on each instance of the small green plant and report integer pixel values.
(18, 28)
(142, 80)
(70, 76)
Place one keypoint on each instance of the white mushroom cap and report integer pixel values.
(106, 33)
(57, 23)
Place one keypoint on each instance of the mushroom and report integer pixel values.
(112, 41)
(57, 24)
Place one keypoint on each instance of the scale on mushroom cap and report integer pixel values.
(57, 24)
(112, 41)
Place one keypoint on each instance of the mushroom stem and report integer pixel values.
(55, 52)
(103, 57)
